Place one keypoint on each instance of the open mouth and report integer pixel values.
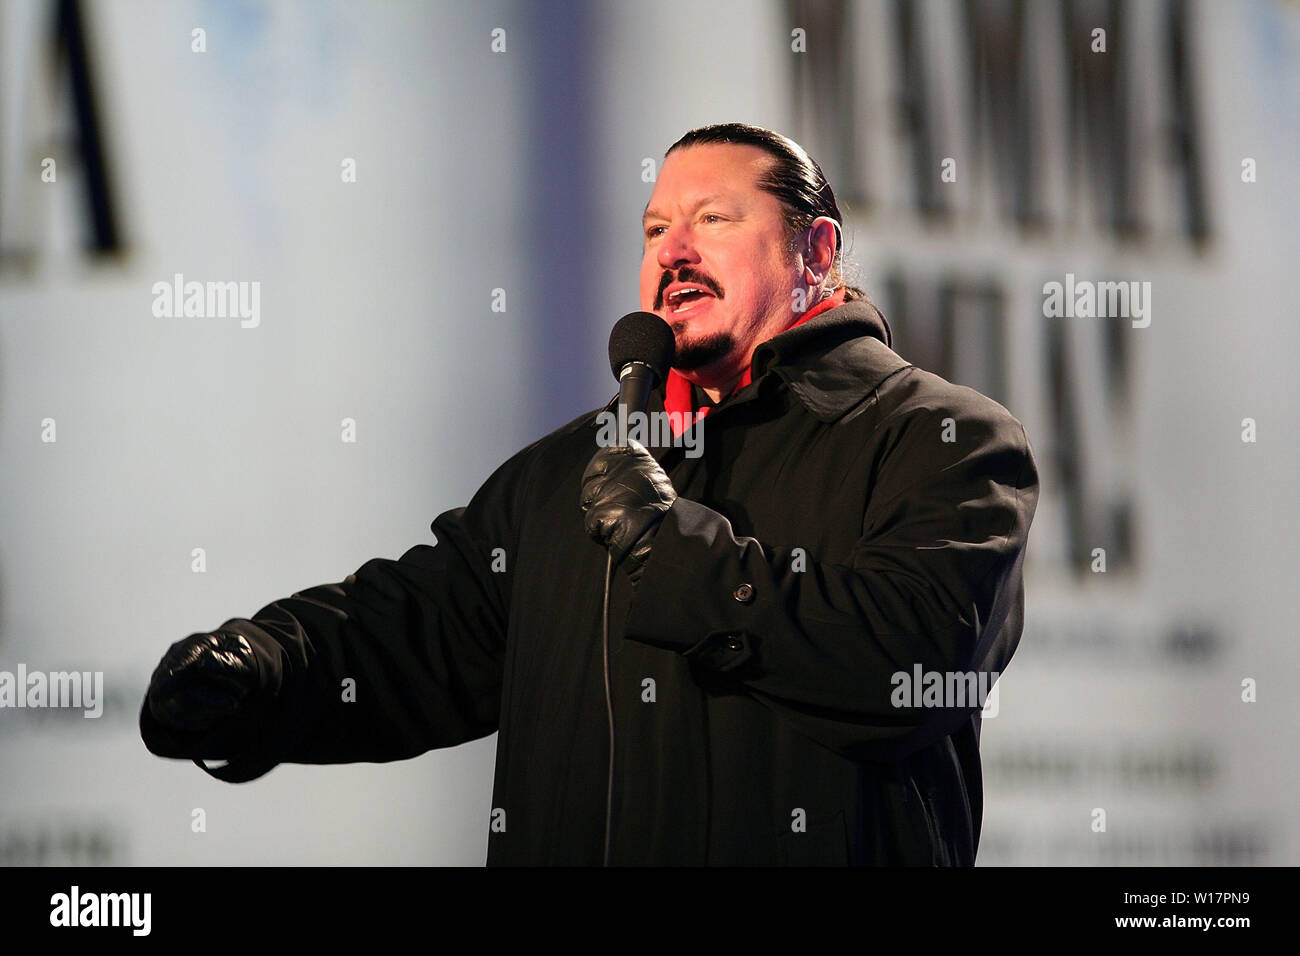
(683, 300)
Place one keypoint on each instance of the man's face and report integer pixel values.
(708, 224)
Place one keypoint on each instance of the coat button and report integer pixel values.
(744, 594)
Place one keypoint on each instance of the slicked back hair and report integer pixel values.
(794, 179)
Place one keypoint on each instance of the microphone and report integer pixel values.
(641, 350)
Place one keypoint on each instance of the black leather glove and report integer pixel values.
(625, 495)
(201, 683)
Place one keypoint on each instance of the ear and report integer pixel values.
(820, 245)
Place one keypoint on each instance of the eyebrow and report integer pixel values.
(656, 214)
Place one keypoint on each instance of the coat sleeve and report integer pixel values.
(935, 580)
(401, 657)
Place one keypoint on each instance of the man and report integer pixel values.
(734, 698)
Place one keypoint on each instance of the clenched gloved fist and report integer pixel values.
(202, 680)
(625, 495)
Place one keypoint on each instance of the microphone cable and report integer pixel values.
(609, 707)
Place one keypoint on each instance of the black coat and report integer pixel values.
(851, 517)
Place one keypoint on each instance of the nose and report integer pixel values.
(677, 247)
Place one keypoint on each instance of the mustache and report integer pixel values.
(686, 275)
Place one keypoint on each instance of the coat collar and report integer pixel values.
(830, 363)
(834, 360)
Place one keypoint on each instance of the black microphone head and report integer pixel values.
(642, 337)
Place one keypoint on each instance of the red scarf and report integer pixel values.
(677, 391)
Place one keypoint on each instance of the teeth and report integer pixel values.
(674, 294)
(687, 307)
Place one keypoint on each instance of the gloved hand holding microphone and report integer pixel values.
(625, 495)
(625, 492)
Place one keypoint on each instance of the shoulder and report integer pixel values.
(504, 501)
(561, 444)
(555, 451)
(914, 397)
(931, 432)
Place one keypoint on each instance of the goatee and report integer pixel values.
(703, 351)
